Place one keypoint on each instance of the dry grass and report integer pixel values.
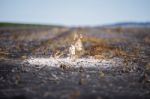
(105, 51)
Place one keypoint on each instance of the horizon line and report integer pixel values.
(57, 24)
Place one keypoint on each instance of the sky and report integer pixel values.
(74, 12)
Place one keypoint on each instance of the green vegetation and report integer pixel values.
(7, 24)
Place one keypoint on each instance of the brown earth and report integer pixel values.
(21, 80)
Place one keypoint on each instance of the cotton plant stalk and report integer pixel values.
(76, 49)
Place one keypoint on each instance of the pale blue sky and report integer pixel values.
(74, 12)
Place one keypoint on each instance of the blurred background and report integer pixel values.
(74, 12)
(114, 57)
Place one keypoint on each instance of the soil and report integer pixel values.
(31, 69)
